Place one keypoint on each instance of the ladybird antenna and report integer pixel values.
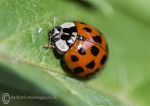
(53, 22)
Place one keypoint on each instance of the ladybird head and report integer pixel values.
(62, 37)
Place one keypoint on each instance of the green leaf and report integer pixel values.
(29, 69)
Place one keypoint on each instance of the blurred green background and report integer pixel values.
(26, 68)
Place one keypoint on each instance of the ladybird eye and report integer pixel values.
(55, 38)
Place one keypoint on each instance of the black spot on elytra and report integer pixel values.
(91, 65)
(82, 51)
(103, 60)
(97, 39)
(94, 50)
(87, 29)
(78, 70)
(74, 58)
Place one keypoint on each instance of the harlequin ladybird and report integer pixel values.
(83, 48)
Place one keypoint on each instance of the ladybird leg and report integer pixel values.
(48, 45)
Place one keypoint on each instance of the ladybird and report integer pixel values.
(82, 47)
